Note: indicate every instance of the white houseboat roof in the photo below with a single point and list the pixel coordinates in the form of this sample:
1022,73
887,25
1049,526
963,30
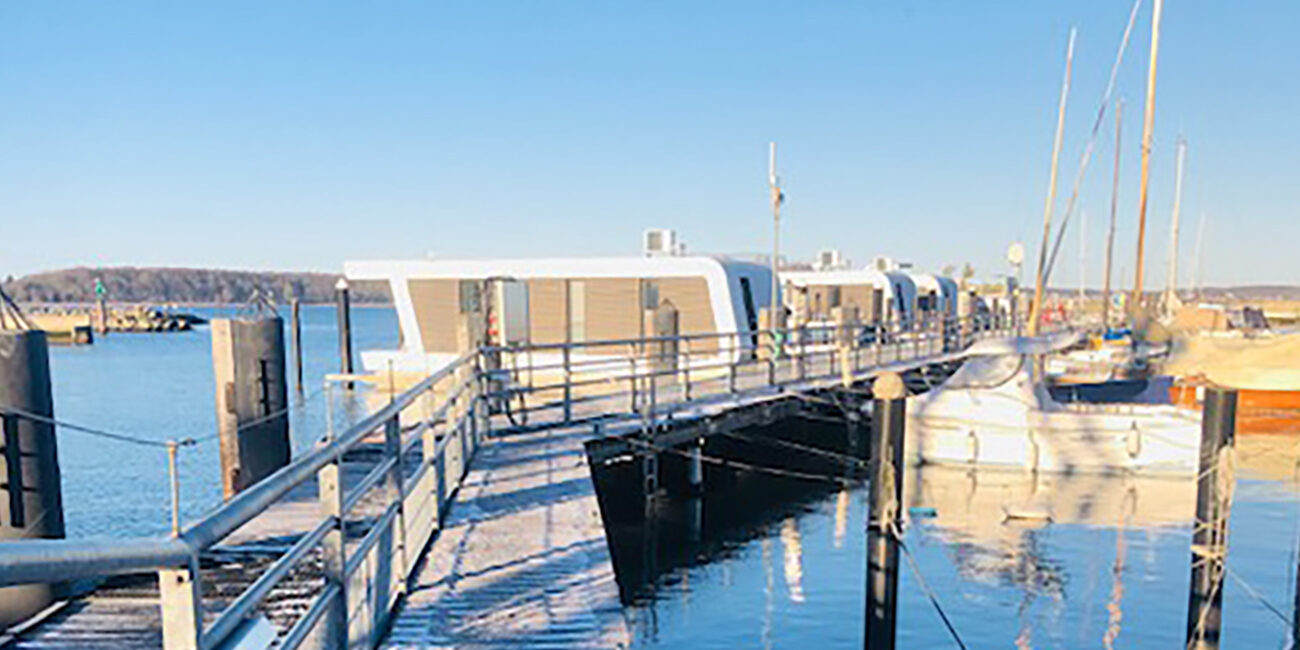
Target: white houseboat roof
550,267
884,280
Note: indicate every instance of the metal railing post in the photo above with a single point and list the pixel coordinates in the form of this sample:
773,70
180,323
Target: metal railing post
731,365
333,560
393,450
631,378
686,367
429,449
179,599
568,386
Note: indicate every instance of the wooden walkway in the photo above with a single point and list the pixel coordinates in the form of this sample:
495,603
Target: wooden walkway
485,585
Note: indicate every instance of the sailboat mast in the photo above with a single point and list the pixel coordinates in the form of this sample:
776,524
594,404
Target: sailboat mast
1172,292
1083,258
776,310
1036,309
1114,206
1147,125
1196,262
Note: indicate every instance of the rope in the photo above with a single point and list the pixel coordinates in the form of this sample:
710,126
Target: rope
844,458
111,435
723,462
1258,597
925,587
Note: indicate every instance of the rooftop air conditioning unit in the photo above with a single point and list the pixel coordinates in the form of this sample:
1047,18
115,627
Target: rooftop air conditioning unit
830,259
883,263
659,242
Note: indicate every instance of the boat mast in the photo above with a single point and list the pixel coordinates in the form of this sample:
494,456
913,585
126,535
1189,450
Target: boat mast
1036,309
1171,293
1083,258
1196,268
1147,125
1114,205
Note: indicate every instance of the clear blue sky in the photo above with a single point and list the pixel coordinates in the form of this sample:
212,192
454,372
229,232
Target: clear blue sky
295,135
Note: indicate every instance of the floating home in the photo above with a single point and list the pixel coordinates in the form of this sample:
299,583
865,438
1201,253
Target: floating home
561,300
901,297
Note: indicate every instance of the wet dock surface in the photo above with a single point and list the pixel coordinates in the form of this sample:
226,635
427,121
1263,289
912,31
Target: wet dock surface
521,561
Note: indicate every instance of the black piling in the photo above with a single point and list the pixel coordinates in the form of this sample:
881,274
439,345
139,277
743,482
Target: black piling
886,497
341,297
295,320
32,504
252,400
1210,535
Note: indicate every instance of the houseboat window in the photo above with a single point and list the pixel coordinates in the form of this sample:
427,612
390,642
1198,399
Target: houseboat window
471,299
649,293
747,296
833,299
577,311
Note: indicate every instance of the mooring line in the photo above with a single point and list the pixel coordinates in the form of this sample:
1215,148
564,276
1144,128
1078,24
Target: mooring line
925,586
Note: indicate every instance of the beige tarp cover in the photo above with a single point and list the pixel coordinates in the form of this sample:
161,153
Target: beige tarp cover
1263,362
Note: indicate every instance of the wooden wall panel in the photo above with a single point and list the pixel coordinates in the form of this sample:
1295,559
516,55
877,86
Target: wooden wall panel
437,310
547,318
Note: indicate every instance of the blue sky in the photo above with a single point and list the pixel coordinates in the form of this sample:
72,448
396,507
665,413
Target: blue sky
295,135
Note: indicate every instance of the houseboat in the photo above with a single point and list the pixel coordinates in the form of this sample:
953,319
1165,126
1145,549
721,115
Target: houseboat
440,303
879,296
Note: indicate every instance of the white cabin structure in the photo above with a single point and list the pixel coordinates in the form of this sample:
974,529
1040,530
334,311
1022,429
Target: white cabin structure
935,295
559,300
879,296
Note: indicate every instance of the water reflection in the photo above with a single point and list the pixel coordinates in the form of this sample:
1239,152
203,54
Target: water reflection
1016,559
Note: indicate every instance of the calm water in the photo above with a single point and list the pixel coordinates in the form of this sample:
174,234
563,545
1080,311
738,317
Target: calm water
160,386
773,563
1112,562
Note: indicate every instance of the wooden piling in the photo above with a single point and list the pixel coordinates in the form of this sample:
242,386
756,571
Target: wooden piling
252,400
1210,533
886,497
343,300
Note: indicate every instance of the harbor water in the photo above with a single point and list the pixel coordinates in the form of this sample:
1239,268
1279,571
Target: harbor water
1013,560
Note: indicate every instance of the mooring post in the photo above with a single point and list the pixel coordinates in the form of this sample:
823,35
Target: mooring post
1214,486
252,400
343,299
695,468
295,319
30,462
886,495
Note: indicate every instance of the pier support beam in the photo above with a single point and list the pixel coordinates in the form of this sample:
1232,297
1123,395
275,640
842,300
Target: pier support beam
31,499
1210,533
252,400
344,301
886,495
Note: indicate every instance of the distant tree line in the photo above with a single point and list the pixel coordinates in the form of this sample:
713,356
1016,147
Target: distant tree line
167,285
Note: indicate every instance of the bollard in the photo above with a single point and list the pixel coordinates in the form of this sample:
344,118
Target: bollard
341,297
252,401
32,506
1214,485
695,468
295,312
886,495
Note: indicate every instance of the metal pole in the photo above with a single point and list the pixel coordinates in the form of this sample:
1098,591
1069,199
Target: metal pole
1147,125
343,299
176,487
777,312
1036,310
695,468
1210,532
1114,207
295,318
886,496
